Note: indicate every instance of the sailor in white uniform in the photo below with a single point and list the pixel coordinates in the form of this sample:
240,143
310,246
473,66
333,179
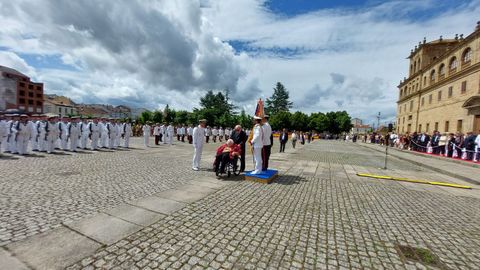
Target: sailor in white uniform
198,141
257,144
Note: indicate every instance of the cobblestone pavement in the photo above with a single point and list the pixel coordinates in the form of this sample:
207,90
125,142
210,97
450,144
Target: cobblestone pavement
318,214
40,192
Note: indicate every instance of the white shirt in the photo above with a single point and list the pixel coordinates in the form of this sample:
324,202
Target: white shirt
127,129
477,141
156,131
257,139
92,128
221,132
215,132
146,130
198,136
170,130
267,133
189,131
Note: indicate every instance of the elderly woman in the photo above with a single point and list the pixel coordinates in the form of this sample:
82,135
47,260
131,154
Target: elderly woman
225,153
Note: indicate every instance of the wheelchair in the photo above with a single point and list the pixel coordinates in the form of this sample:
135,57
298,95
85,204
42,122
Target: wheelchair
231,167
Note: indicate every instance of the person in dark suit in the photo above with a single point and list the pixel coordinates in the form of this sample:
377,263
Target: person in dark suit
469,145
240,137
283,140
435,142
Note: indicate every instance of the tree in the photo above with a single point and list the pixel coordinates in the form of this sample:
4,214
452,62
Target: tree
279,101
216,109
181,117
299,121
281,120
157,116
246,121
146,116
168,114
332,122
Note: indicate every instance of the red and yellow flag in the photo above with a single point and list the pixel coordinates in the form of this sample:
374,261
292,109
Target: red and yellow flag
260,110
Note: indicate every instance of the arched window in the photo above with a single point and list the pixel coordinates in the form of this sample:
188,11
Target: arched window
415,66
441,70
453,63
467,55
432,75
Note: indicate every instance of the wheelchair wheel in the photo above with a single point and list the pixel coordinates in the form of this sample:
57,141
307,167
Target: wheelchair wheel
235,169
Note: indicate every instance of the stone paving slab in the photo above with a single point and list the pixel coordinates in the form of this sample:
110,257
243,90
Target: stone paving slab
104,228
185,195
8,262
135,215
159,205
54,250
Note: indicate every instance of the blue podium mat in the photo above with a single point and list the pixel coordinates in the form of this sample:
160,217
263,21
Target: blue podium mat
263,177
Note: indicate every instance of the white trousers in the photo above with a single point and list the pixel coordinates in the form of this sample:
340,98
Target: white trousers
146,140
34,143
95,137
3,144
22,144
103,140
64,142
50,144
257,157
197,156
83,141
126,143
111,142
73,142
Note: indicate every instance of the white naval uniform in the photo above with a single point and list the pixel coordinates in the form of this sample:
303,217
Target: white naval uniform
198,141
74,135
103,135
221,134
22,133
94,132
146,134
63,135
257,142
51,136
118,134
127,132
3,135
85,133
170,134
111,131
42,134
163,130
34,143
11,144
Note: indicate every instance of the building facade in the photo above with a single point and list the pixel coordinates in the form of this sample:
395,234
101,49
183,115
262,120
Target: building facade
18,92
442,91
59,105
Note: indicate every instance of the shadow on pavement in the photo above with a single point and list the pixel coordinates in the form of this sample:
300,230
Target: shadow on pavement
8,157
289,180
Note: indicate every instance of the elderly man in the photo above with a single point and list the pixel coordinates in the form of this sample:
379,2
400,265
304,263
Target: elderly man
198,141
225,153
240,137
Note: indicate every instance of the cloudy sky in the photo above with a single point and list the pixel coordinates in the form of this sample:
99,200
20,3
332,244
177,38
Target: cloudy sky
330,54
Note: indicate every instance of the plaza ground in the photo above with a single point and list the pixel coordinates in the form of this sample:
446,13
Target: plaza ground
318,214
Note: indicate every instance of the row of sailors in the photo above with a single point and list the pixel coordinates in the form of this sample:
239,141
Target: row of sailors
166,132
44,133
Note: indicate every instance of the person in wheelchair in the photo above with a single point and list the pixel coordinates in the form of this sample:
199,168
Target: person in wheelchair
226,153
